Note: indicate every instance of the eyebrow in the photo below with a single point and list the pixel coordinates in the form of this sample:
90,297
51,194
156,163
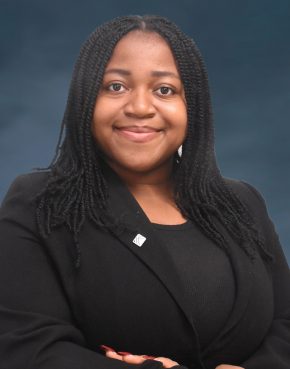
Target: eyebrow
154,73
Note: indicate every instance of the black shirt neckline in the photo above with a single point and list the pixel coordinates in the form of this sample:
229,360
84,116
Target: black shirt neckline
172,227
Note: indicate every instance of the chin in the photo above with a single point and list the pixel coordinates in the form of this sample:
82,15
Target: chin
141,168
140,165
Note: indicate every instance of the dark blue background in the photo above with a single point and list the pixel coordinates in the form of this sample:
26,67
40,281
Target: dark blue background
246,48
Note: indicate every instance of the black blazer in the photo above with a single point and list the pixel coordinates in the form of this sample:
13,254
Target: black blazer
127,296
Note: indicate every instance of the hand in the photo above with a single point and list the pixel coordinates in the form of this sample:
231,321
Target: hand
137,359
226,366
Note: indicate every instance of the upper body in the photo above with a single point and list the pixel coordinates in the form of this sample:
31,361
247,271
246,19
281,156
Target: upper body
126,296
83,263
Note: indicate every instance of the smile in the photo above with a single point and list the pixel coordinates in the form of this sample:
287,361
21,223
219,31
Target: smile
137,134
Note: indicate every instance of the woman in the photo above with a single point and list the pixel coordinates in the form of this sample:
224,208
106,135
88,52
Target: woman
130,241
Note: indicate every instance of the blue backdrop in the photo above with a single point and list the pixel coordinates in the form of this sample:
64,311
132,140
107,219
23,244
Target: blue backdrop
246,48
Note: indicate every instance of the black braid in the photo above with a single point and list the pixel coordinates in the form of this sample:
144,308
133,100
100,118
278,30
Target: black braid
77,189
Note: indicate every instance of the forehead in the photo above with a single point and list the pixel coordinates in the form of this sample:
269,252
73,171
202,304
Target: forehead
142,49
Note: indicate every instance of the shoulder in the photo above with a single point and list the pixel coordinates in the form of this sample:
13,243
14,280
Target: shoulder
253,201
20,197
255,204
248,194
27,185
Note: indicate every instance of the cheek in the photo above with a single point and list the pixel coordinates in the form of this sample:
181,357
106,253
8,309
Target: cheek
101,120
181,116
176,112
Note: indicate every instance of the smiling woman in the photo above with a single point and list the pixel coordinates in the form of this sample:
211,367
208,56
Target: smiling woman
128,245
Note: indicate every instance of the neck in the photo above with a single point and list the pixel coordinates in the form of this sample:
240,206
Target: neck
153,190
149,183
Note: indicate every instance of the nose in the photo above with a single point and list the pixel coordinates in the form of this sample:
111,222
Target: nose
140,104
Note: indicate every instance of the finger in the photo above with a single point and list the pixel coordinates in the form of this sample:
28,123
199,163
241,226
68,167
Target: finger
113,355
134,359
148,357
167,363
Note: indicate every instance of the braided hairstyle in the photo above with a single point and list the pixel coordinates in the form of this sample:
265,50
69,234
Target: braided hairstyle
76,188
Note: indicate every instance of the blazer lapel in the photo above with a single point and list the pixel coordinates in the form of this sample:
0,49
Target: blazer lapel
142,240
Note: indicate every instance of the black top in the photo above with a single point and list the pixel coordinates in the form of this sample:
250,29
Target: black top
206,275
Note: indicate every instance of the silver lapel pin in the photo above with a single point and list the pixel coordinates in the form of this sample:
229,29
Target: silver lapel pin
139,240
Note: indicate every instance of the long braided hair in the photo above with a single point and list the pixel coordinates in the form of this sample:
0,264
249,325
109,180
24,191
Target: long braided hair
76,188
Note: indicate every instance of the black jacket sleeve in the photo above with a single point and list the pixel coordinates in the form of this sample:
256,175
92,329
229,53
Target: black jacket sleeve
37,329
274,352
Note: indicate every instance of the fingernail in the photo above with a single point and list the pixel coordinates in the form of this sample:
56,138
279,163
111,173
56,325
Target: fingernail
106,348
124,353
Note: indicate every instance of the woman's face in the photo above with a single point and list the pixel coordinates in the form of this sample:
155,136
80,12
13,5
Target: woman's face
140,114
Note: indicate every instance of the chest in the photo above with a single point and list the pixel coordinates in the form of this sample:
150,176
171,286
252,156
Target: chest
120,301
122,298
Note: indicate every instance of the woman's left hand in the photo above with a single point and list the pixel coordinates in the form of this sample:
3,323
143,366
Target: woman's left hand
139,359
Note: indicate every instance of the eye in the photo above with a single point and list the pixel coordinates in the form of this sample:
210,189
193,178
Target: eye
115,87
166,91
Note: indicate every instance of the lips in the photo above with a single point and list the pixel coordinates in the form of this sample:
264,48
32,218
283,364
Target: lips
138,133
